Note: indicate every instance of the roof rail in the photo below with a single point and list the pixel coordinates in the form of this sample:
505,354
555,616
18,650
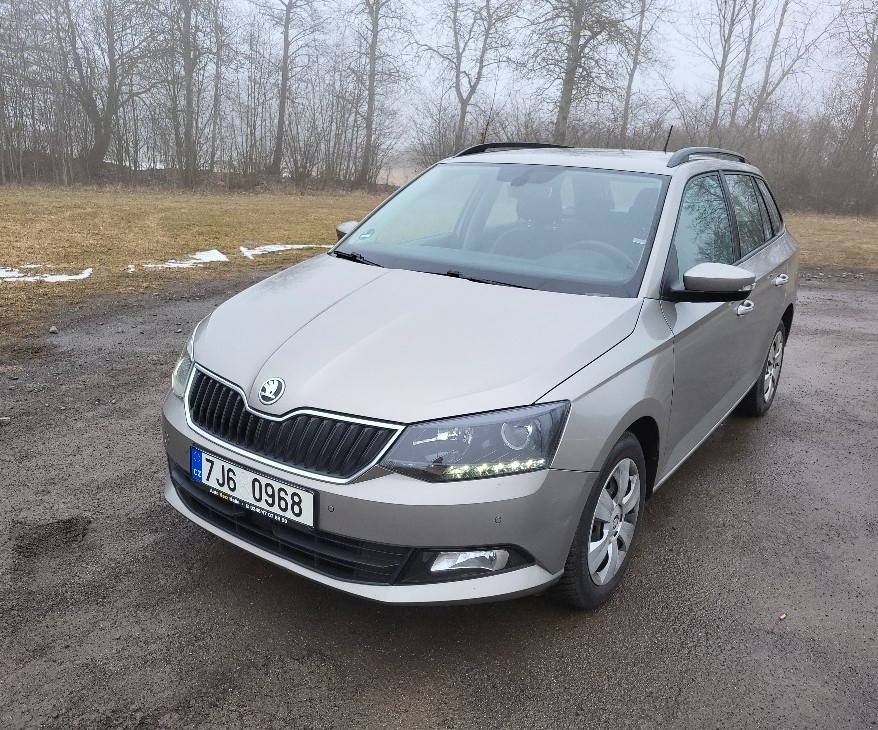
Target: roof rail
476,149
683,155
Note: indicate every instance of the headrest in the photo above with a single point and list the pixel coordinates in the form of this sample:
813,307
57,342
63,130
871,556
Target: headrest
645,202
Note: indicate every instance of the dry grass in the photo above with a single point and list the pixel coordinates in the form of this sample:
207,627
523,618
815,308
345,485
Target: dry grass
68,230
835,241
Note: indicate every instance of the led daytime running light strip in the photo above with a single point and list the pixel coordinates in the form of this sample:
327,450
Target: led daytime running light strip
465,471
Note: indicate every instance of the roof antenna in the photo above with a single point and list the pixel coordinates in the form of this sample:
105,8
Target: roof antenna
668,139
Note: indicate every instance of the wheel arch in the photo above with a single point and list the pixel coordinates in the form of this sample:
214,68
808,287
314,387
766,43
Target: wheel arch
787,319
643,422
646,430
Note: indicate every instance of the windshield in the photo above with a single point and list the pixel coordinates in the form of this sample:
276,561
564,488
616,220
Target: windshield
553,228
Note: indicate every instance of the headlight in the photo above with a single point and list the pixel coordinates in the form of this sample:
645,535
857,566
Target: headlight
180,374
477,447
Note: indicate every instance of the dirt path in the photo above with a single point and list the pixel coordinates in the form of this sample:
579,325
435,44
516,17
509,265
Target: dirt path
117,612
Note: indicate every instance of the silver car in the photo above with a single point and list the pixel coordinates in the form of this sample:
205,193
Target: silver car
473,394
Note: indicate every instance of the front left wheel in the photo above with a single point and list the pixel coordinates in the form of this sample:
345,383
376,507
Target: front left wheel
607,529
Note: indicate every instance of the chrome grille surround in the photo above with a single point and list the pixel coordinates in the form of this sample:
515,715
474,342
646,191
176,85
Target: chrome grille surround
388,431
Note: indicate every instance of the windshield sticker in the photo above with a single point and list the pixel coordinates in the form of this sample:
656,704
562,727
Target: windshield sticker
367,234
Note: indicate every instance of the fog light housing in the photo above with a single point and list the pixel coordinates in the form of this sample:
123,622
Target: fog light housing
488,560
437,566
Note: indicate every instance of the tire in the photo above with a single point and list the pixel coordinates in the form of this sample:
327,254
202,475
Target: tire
760,397
587,586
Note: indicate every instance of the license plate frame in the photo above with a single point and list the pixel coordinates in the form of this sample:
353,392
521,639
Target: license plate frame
244,492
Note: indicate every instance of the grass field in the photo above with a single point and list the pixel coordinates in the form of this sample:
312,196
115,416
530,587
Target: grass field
69,230
835,241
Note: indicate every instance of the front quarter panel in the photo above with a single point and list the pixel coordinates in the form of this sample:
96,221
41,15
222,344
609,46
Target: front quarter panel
633,380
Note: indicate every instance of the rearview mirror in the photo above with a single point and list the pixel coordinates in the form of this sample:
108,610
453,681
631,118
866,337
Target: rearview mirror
342,229
714,283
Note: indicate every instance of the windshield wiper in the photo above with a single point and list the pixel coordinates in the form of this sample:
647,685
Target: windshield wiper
354,256
457,275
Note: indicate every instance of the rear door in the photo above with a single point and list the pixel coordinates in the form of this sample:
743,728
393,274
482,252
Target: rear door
711,340
763,253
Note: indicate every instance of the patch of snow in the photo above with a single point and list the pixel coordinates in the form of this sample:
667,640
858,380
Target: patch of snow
10,274
272,247
196,259
131,268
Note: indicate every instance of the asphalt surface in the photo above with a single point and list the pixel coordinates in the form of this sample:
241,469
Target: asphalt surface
117,612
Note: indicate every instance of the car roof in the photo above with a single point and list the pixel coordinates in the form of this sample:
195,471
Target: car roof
601,159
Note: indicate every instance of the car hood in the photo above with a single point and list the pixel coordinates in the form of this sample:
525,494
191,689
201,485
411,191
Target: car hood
404,346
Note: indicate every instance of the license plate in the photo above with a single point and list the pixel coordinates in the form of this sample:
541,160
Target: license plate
261,494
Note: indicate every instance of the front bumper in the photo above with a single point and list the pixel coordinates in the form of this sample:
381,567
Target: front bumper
537,512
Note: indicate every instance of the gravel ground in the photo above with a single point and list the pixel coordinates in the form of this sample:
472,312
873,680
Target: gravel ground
117,612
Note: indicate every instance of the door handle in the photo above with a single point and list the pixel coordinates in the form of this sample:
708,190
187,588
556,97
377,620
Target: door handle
781,280
745,307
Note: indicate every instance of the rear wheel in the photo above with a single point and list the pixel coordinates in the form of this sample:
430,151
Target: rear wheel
757,402
607,529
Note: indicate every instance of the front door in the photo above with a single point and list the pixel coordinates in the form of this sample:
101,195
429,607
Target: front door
712,341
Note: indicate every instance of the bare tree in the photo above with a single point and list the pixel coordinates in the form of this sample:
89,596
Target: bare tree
753,13
283,12
475,34
101,48
721,40
169,89
793,41
575,42
384,23
647,14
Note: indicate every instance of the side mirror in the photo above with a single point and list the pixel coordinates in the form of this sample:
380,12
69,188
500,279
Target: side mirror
342,229
714,283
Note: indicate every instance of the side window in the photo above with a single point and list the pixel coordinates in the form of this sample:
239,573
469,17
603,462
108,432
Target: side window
767,231
773,212
745,204
704,233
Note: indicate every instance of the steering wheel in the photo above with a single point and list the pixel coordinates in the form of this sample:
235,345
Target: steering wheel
611,252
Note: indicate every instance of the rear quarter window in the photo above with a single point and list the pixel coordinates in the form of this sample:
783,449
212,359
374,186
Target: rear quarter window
773,212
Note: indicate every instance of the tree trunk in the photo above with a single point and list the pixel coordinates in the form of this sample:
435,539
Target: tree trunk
726,44
745,63
277,156
568,82
460,124
364,175
632,73
217,86
189,151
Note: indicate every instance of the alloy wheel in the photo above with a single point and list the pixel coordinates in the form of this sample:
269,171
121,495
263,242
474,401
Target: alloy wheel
772,367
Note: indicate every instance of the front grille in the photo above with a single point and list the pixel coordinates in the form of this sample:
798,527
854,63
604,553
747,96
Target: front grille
316,444
336,556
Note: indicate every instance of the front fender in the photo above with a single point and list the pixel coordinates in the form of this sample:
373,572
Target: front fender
633,380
